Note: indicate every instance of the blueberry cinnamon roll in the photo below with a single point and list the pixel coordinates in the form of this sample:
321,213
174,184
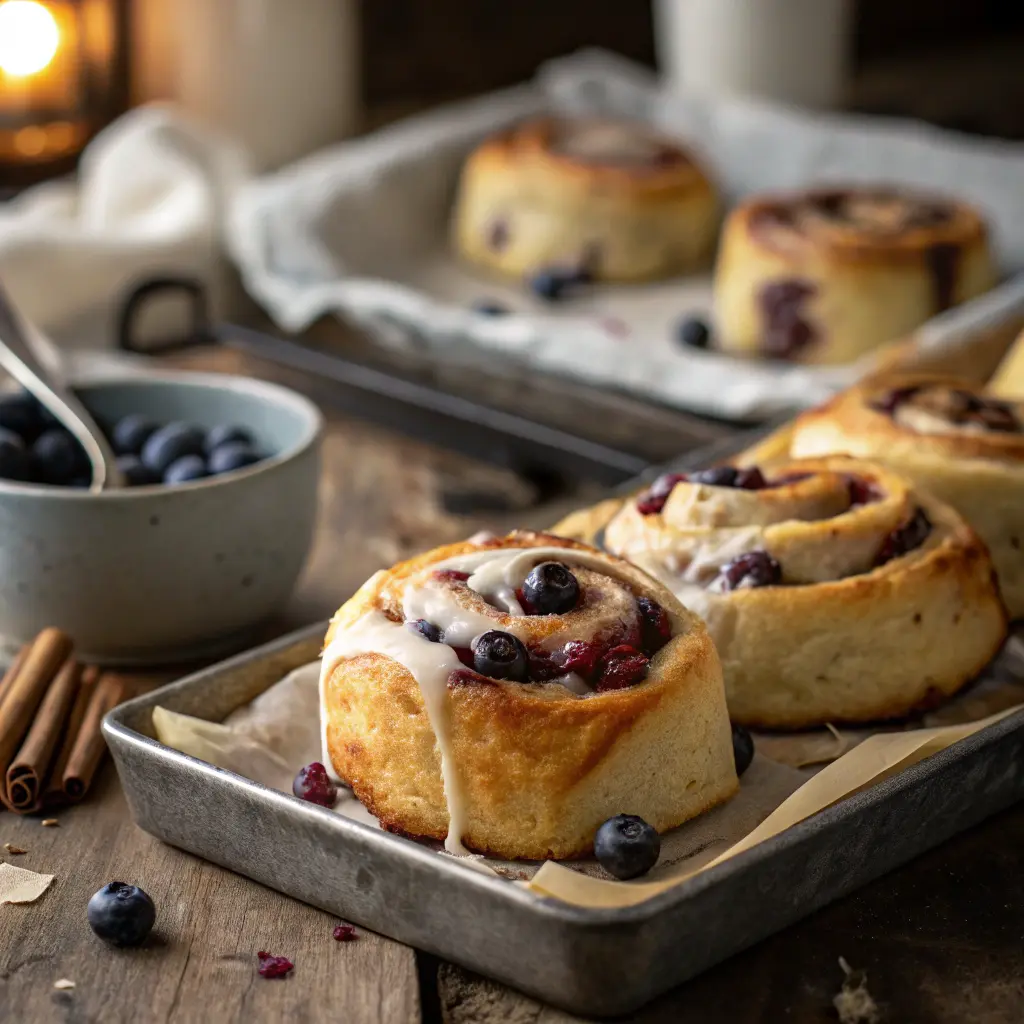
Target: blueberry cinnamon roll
509,696
610,199
833,590
825,276
952,439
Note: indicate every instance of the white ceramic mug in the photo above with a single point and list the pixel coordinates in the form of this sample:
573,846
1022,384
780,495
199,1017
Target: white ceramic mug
279,76
793,51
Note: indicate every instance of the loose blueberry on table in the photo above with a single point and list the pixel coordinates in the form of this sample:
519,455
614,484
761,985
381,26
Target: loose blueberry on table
626,846
551,284
312,783
121,914
742,748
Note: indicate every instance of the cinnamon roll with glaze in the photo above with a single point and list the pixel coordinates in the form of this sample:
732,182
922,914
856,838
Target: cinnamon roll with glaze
952,439
608,198
833,590
826,276
509,696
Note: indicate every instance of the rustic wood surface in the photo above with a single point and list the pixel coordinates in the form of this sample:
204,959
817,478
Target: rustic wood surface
940,940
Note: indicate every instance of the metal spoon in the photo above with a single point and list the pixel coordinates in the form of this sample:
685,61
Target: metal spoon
19,358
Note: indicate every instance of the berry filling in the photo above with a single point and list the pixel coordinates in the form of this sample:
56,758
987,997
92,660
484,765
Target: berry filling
451,575
655,625
862,492
786,331
621,667
906,537
652,501
427,630
752,569
959,407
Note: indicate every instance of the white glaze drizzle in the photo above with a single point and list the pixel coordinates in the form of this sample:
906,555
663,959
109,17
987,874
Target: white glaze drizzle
496,574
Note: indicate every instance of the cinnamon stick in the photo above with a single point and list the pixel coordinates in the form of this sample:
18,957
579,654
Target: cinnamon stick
90,746
12,671
24,693
27,772
55,786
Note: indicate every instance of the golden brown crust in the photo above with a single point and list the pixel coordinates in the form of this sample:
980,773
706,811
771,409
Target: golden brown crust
556,191
978,472
864,266
875,642
540,768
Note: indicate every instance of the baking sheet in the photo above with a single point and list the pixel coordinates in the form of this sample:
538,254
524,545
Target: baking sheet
361,231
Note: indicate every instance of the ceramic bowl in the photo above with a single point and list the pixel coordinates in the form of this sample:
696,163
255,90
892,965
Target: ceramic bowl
166,574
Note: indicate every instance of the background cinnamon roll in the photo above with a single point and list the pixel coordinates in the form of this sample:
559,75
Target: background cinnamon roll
513,694
609,198
825,276
833,590
964,446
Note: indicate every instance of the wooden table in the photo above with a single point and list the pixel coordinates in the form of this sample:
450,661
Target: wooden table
940,940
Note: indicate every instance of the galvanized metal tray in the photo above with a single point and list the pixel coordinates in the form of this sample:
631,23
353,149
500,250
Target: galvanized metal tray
598,962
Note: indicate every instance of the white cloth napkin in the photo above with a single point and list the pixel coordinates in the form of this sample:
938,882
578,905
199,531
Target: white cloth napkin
360,231
149,198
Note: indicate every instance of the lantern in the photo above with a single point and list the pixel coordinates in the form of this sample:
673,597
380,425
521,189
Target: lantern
63,76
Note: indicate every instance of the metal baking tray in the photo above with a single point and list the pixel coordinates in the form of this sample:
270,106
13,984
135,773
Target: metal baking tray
595,962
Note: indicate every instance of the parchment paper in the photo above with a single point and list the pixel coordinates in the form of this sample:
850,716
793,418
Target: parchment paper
361,231
271,738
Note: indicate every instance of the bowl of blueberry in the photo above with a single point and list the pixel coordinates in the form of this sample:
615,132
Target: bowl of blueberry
204,542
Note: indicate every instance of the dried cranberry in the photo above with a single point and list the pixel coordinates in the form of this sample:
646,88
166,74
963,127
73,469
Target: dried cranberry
581,657
751,479
345,933
465,655
312,783
752,569
653,499
451,575
655,625
464,677
621,667
906,537
273,966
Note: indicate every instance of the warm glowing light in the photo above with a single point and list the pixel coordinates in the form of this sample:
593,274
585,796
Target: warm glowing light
28,37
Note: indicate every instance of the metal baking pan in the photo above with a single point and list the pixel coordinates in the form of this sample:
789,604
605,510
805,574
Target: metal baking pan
595,962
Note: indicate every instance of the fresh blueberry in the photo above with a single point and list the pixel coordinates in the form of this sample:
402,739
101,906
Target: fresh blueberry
488,307
135,473
185,469
742,748
551,589
752,569
58,458
14,460
427,630
130,433
314,784
121,914
231,456
500,655
626,846
550,284
21,414
226,433
170,443
693,332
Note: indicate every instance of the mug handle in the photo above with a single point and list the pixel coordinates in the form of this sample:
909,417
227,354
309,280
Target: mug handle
200,331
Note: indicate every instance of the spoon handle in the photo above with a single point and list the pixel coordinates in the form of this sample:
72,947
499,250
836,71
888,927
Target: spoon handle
19,357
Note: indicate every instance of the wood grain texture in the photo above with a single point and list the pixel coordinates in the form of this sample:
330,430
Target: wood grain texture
200,964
